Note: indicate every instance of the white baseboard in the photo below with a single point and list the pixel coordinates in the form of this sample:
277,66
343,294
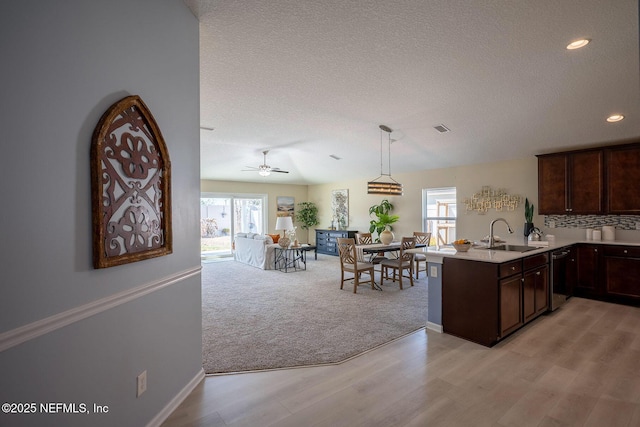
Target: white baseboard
434,327
40,327
176,401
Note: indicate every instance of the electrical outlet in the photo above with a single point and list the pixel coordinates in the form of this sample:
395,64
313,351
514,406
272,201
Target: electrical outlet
637,225
434,271
142,383
552,224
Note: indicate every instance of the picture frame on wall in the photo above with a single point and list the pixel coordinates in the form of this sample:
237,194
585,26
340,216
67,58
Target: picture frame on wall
285,205
130,186
340,208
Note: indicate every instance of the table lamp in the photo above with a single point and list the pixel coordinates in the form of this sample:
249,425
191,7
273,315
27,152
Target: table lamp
284,223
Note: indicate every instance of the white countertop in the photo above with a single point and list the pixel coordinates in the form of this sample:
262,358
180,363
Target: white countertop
436,254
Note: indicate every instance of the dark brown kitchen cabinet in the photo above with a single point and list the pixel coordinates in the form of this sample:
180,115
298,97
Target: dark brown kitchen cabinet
623,178
571,274
571,183
470,300
510,304
621,268
484,302
588,271
535,292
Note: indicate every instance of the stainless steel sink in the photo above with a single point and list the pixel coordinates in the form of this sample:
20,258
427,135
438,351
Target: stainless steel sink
513,248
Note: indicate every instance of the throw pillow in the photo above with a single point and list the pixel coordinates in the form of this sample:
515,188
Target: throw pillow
275,237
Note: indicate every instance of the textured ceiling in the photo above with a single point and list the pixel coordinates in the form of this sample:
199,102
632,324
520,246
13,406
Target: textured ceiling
309,79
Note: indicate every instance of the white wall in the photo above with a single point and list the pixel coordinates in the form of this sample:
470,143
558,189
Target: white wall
64,64
515,176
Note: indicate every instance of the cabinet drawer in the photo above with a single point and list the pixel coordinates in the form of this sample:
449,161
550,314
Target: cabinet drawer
622,251
536,261
509,268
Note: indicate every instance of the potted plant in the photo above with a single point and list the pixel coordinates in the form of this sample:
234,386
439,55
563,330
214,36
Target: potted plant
307,215
383,221
528,217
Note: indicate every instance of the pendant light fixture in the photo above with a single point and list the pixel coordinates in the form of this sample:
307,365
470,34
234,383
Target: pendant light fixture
389,187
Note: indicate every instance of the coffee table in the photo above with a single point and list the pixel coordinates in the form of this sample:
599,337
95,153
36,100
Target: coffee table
292,258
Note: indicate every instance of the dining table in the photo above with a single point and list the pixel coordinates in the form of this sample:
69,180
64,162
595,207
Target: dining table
374,248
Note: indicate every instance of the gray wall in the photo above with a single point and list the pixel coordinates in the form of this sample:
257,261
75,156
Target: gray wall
63,65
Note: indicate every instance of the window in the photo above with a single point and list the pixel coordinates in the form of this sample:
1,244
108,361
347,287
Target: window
439,214
222,216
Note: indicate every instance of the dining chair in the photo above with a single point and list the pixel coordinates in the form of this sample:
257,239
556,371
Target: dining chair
367,239
349,263
403,262
421,238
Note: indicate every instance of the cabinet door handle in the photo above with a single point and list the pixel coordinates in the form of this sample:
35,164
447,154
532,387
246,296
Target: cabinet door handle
513,269
595,250
625,251
537,273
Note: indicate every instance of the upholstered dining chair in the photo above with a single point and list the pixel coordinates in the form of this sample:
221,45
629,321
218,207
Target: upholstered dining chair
349,263
366,239
421,238
403,262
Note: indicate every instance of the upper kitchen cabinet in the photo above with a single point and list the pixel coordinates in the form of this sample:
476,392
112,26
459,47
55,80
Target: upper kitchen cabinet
571,183
623,179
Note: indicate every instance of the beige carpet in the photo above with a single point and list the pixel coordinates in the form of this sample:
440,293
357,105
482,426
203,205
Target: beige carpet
254,319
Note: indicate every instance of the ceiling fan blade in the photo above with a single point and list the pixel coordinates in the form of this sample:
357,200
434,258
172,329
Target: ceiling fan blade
278,170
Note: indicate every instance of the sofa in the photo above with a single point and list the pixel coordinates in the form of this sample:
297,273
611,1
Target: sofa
257,250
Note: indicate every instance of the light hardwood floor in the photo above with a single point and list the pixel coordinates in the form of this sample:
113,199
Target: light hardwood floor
578,366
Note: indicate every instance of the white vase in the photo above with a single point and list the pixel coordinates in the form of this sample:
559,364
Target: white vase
386,237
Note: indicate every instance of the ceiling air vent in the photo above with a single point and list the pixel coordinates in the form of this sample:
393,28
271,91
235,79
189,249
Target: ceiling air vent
441,128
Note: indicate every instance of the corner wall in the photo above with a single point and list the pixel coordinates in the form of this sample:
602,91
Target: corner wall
69,333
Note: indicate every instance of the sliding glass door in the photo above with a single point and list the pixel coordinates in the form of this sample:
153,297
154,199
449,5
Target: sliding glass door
223,215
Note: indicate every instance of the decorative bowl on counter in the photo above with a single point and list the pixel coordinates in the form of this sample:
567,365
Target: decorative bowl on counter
462,245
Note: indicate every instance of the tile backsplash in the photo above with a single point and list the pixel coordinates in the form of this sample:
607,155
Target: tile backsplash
621,222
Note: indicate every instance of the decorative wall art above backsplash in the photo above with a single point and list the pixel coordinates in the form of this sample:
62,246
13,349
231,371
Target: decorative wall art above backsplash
621,222
488,198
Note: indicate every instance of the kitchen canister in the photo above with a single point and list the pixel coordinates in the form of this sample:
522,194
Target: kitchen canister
608,233
597,235
589,233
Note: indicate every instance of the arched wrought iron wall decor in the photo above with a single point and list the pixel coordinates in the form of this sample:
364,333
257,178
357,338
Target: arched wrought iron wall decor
130,186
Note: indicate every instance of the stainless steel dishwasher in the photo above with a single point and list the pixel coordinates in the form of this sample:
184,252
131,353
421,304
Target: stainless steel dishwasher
558,287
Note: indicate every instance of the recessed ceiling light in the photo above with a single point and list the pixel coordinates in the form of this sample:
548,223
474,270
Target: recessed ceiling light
615,118
578,44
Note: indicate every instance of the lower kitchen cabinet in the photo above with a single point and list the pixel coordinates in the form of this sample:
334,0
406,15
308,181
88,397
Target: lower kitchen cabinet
588,279
621,271
485,302
535,292
510,304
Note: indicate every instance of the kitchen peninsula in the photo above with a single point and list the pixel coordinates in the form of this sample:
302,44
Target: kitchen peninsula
485,295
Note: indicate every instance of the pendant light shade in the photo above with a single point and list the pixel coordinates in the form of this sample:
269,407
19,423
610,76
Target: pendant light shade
385,186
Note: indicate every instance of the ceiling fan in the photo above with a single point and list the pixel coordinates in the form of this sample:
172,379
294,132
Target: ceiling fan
264,169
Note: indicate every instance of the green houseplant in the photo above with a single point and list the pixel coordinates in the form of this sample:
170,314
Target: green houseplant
528,217
383,221
307,214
